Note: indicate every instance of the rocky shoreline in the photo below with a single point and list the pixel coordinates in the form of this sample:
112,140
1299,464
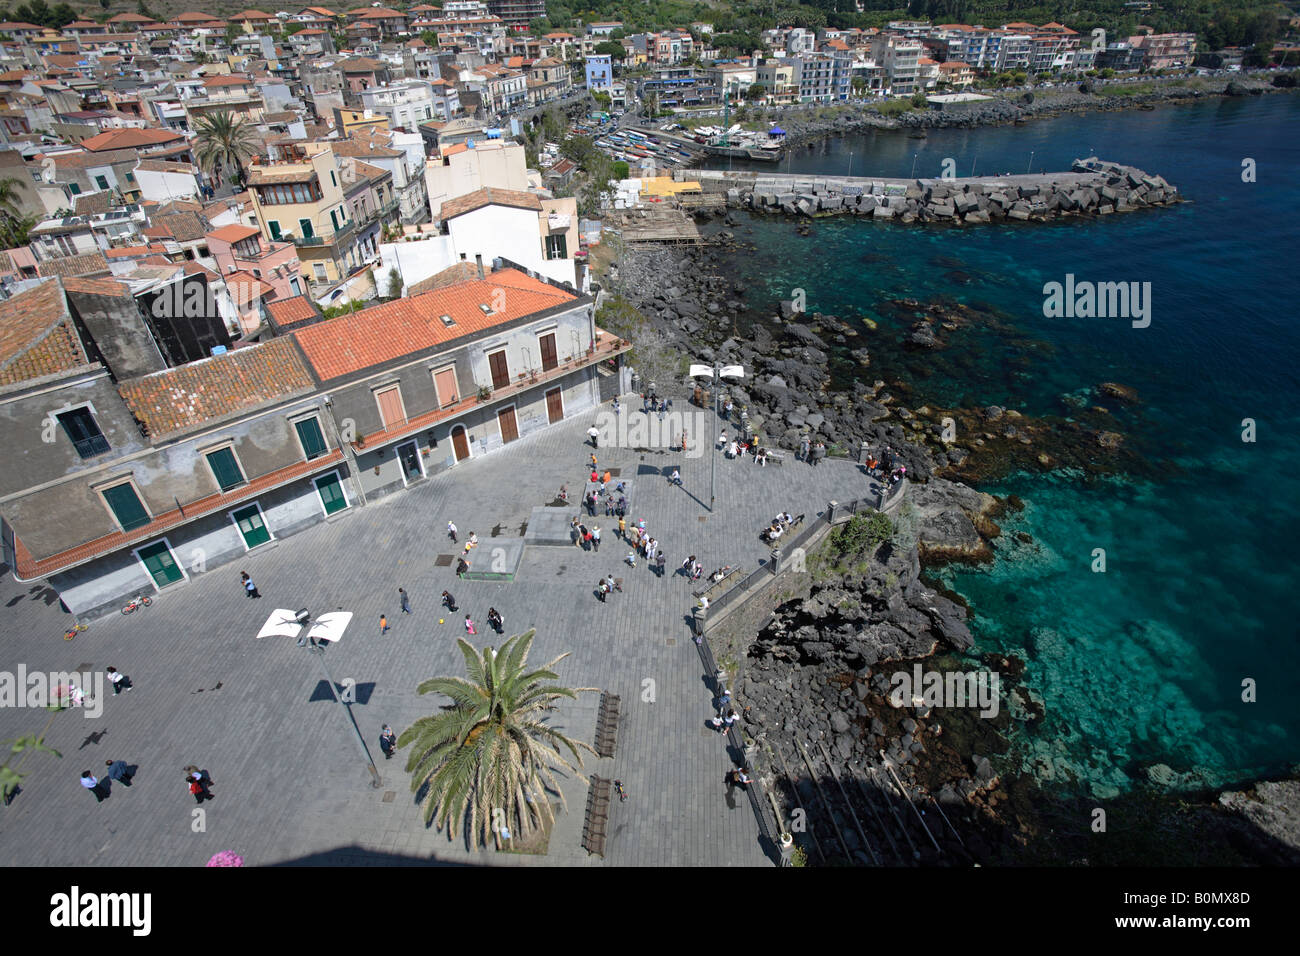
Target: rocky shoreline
804,127
815,679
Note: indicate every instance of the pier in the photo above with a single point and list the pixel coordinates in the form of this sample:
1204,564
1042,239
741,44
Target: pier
1092,187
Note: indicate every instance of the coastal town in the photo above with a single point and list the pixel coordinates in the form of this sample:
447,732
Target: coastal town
353,334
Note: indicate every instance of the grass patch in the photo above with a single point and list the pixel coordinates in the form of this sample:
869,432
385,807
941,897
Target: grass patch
537,843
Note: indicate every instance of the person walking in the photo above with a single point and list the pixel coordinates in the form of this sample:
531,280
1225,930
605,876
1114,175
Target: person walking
119,771
249,587
198,789
675,478
448,601
593,436
387,742
687,565
119,681
383,624
496,621
405,600
451,532
595,538
91,783
622,527
461,567
469,625
818,453
602,589
612,583
804,447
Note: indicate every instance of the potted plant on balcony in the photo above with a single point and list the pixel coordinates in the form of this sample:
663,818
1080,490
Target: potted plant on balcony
484,392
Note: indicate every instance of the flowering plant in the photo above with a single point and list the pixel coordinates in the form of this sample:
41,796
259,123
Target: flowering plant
226,858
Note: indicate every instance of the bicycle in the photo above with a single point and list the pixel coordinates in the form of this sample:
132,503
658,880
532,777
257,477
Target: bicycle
141,601
73,631
618,788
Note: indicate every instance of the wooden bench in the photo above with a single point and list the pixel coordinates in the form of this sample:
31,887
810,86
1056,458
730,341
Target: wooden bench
596,820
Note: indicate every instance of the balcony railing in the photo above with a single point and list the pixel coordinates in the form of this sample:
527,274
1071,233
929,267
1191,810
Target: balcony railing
339,235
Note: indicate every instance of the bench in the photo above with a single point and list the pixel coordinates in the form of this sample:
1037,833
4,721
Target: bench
596,819
711,589
607,724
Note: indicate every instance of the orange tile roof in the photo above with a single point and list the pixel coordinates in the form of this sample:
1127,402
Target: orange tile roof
106,287
194,396
129,18
289,311
252,15
233,233
376,335
245,288
37,336
227,79
489,196
129,139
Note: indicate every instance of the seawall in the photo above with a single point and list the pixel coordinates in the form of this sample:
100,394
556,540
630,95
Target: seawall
1092,187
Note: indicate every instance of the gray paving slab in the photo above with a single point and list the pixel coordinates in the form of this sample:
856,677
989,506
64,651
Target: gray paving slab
289,782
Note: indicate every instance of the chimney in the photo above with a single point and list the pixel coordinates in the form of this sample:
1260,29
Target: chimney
479,259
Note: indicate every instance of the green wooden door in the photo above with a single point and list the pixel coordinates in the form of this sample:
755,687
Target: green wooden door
251,526
331,493
160,564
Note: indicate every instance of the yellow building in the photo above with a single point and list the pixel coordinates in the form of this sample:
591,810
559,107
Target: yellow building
348,122
301,199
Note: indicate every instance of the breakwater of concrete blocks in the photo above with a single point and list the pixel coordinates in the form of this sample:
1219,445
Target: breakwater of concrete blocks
1093,187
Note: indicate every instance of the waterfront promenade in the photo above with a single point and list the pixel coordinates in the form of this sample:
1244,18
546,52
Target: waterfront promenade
290,785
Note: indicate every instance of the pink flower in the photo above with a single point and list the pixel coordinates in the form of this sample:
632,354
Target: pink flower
226,858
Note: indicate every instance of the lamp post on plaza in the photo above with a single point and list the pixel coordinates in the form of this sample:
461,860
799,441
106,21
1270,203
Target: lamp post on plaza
326,628
716,372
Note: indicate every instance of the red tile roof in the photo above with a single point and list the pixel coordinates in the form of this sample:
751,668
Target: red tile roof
489,196
130,139
373,336
87,264
299,308
194,396
233,233
37,336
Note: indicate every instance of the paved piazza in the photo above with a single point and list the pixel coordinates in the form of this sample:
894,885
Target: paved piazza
289,782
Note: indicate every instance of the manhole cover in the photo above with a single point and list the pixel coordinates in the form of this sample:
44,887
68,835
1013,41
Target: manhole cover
672,641
443,560
389,796
703,518
615,472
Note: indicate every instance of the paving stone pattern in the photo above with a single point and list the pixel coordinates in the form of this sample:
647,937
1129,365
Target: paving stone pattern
289,782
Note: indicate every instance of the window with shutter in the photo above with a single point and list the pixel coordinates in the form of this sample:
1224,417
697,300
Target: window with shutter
313,440
126,506
225,468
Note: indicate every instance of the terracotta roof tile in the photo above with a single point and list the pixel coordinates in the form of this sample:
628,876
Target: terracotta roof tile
195,395
37,336
486,197
233,233
130,139
288,312
376,335
88,264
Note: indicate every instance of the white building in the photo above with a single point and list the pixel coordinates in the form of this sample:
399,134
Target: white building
161,181
406,105
461,170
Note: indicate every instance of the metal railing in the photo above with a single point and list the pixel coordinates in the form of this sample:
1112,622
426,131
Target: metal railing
767,571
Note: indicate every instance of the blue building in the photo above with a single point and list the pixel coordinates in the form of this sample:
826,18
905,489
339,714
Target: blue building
600,72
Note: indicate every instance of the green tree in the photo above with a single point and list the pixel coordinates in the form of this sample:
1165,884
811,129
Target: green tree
756,92
490,758
539,26
224,142
621,169
14,226
394,283
611,49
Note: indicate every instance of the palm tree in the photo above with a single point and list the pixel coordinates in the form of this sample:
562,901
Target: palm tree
222,140
486,760
13,224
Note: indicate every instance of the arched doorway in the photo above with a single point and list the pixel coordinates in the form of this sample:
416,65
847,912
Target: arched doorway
460,442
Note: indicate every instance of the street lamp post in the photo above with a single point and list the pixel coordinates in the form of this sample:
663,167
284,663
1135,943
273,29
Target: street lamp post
328,627
715,372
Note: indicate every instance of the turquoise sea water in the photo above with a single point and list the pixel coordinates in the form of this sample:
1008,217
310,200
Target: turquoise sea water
1144,663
